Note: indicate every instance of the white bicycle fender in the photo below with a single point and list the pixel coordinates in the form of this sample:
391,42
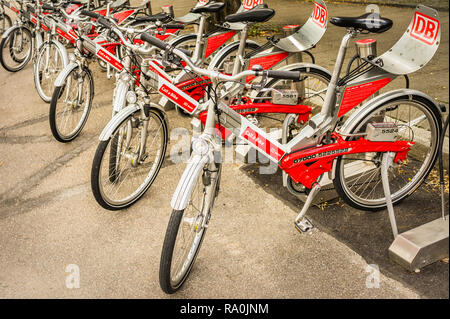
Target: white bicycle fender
38,39
116,120
365,109
294,66
222,51
8,32
178,37
119,98
183,192
63,51
61,79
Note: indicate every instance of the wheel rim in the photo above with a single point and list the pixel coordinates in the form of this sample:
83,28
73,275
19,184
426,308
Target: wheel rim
361,172
132,176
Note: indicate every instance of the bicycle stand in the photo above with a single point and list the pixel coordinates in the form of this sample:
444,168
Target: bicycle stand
420,246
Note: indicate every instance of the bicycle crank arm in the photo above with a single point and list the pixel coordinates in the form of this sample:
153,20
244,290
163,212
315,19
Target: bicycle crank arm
302,224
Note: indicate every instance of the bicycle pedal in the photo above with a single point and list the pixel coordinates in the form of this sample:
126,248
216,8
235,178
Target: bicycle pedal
304,226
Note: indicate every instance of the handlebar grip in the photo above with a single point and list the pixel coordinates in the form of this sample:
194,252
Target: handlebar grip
104,22
161,44
154,41
187,52
284,75
90,14
47,7
174,26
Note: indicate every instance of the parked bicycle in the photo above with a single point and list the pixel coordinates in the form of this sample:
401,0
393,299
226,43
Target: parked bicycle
351,152
73,89
113,195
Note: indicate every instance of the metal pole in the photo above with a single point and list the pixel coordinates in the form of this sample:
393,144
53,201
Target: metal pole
385,163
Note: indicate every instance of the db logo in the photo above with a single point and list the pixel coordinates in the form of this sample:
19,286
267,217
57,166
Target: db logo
320,15
425,28
203,1
250,4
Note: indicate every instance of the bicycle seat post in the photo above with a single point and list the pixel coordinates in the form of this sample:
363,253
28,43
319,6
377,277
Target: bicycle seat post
330,97
238,63
200,42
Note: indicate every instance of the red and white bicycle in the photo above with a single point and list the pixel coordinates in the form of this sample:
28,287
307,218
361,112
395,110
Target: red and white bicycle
395,135
187,90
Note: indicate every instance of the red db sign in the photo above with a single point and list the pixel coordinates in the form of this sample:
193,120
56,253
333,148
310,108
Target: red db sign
250,4
320,15
425,28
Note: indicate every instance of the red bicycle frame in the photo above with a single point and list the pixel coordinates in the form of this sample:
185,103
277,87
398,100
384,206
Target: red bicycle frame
306,166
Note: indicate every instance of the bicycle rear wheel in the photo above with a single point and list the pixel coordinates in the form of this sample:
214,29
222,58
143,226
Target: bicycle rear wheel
358,178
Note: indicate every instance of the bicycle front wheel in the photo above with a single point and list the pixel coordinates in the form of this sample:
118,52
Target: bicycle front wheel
16,49
358,177
49,63
185,232
125,165
71,104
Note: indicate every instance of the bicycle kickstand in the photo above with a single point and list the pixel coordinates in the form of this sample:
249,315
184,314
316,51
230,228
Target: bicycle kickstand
302,224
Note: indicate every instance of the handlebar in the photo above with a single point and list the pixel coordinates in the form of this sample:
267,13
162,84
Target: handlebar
90,14
284,75
174,26
161,44
48,7
182,53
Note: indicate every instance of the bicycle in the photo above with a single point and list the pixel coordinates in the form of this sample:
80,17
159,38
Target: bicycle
21,41
334,142
134,142
106,191
73,89
51,57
